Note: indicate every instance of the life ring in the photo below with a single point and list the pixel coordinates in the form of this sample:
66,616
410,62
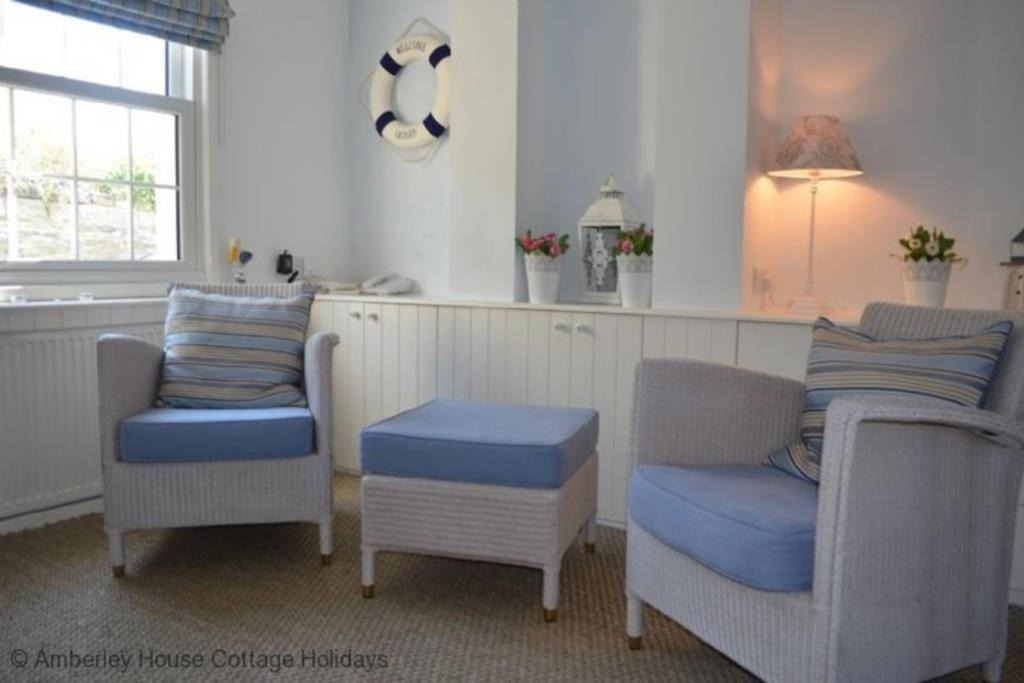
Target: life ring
435,124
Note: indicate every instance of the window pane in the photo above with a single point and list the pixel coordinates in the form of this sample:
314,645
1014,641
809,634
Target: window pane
91,52
102,139
103,231
45,219
143,63
52,43
5,131
42,133
154,147
33,39
156,224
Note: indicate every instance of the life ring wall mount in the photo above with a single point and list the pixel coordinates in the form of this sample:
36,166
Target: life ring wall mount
402,135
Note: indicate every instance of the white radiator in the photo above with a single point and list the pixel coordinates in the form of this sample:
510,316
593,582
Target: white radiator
49,432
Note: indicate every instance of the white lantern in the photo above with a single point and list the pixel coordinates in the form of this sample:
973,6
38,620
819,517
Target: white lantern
599,229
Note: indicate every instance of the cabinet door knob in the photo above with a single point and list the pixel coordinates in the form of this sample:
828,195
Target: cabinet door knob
355,315
373,316
583,329
561,327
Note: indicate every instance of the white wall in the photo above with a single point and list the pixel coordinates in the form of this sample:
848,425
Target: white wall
700,162
930,92
400,211
483,140
279,177
585,110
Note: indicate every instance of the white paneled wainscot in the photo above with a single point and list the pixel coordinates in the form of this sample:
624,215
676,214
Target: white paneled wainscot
398,353
395,353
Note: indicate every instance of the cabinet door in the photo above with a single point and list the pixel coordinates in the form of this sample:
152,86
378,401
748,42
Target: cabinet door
628,352
581,361
372,368
426,354
353,387
605,341
497,327
389,340
517,357
321,317
478,352
539,341
446,352
775,348
559,359
463,356
408,357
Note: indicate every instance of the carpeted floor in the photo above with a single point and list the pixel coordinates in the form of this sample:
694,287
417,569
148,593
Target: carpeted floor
252,591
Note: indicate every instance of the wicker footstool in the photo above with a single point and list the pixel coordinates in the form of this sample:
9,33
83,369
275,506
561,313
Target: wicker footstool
508,484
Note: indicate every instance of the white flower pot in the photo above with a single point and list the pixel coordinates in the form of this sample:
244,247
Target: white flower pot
542,273
925,282
635,280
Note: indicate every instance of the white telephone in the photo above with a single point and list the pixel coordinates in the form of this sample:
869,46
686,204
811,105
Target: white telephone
386,285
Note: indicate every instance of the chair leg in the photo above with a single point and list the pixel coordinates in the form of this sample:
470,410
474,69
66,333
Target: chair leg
590,540
550,600
115,540
326,541
634,622
992,670
369,572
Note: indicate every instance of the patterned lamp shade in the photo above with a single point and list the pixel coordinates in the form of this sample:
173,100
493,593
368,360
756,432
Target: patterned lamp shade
816,147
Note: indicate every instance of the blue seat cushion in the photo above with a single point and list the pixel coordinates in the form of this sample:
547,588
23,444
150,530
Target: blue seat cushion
753,524
483,443
203,435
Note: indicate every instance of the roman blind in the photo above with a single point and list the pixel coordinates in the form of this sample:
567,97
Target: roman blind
199,23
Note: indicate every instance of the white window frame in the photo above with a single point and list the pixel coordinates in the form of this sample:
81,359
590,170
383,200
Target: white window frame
191,253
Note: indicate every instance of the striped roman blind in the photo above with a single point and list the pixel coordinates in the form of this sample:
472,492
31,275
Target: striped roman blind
199,23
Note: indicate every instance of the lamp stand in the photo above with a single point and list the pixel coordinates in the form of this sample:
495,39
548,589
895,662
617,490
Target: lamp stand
808,304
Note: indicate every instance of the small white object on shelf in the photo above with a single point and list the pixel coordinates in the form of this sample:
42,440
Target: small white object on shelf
635,280
599,228
542,275
925,282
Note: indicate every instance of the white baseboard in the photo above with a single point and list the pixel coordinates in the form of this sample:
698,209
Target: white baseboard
32,520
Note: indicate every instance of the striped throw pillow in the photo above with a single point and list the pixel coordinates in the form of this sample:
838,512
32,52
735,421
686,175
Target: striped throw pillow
848,363
233,352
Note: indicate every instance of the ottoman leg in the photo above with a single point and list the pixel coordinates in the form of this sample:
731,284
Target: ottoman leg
590,538
550,601
369,562
326,542
634,622
115,539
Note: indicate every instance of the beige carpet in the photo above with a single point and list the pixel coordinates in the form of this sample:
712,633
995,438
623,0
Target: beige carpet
261,590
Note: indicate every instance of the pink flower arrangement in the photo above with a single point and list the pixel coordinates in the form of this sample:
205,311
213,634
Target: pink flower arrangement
639,241
548,244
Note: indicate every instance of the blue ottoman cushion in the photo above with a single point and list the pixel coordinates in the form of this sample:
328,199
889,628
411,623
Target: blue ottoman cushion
482,443
198,435
754,524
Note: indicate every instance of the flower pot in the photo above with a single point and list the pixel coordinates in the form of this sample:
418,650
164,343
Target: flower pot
635,280
542,273
925,282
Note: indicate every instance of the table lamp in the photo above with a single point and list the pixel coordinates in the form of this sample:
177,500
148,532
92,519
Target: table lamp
815,149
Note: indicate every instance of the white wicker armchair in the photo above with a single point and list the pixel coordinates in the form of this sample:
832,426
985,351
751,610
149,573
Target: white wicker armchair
915,517
183,494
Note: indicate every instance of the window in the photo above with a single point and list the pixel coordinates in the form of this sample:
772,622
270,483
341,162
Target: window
97,146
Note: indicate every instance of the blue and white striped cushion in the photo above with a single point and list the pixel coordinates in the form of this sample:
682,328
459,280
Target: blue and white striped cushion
844,362
233,352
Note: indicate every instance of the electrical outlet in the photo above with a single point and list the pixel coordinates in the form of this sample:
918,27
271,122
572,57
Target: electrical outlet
759,280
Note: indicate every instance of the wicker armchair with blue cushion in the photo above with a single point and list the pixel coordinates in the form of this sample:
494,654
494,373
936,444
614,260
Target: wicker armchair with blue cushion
894,565
187,442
